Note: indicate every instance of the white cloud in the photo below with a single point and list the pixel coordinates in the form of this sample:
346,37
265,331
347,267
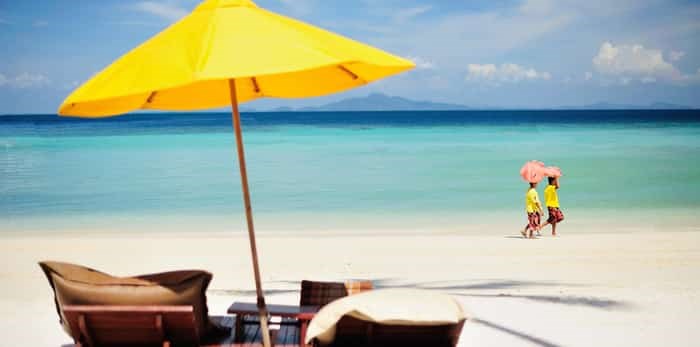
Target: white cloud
597,8
634,62
421,63
452,37
588,76
457,37
464,34
24,80
508,72
407,14
676,55
164,10
27,80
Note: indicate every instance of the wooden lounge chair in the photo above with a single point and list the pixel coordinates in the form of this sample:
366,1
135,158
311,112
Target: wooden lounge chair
353,332
96,308
102,325
314,293
388,318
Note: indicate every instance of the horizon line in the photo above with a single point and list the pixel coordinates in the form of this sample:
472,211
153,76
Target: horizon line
494,109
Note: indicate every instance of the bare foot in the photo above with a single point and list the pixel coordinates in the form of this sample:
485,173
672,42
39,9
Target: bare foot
522,232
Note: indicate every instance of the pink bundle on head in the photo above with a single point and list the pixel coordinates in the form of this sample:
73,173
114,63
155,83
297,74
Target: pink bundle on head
552,171
533,171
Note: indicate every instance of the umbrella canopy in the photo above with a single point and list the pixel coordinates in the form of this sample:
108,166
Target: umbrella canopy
533,171
188,65
226,52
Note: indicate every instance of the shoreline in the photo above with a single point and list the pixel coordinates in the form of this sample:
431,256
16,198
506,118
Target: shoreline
566,229
287,234
321,224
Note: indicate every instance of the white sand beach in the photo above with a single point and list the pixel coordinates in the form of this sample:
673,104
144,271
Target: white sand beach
602,289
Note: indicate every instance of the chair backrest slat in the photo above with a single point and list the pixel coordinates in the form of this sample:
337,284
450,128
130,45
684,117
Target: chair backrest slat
321,293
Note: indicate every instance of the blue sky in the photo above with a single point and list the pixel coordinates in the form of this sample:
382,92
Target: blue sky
527,53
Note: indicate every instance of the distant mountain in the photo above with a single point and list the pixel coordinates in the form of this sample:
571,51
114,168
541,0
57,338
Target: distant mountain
383,102
283,109
612,106
607,106
667,106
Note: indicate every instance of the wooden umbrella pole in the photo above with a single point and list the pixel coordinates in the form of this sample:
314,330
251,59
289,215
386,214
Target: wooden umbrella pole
262,309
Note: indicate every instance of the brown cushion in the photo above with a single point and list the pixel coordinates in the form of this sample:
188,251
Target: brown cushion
77,285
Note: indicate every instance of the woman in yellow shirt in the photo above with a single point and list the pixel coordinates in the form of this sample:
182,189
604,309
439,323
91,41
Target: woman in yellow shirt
534,211
551,200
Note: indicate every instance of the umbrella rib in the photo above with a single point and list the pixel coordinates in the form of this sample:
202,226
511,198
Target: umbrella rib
150,98
256,87
347,71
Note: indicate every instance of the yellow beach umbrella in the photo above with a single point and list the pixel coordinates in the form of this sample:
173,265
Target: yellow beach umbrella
228,52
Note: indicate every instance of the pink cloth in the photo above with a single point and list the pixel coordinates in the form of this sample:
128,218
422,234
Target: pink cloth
552,171
533,171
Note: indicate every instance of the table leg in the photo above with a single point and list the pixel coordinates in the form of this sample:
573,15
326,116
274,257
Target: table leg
238,329
303,324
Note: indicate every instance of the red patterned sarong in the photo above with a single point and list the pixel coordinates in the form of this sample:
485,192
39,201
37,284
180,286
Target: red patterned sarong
533,220
555,215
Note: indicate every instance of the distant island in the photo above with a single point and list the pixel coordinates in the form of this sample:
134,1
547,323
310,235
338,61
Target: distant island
383,102
612,106
380,102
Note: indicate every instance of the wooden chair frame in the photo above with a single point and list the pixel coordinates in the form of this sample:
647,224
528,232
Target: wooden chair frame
103,325
352,332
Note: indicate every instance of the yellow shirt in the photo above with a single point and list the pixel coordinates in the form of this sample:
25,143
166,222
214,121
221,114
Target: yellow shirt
550,196
531,200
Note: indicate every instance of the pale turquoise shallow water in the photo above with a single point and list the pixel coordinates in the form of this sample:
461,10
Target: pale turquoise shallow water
320,175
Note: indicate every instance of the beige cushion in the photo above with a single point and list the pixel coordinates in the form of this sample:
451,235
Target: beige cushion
407,307
78,285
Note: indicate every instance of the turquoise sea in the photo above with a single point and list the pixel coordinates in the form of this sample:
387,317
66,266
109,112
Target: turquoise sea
353,171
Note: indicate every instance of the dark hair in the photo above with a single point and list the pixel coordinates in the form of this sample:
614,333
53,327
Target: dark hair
551,179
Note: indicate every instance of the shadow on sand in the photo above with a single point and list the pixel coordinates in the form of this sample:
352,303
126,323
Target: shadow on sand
477,288
464,288
474,288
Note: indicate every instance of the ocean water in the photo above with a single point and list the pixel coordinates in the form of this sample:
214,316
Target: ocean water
353,171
